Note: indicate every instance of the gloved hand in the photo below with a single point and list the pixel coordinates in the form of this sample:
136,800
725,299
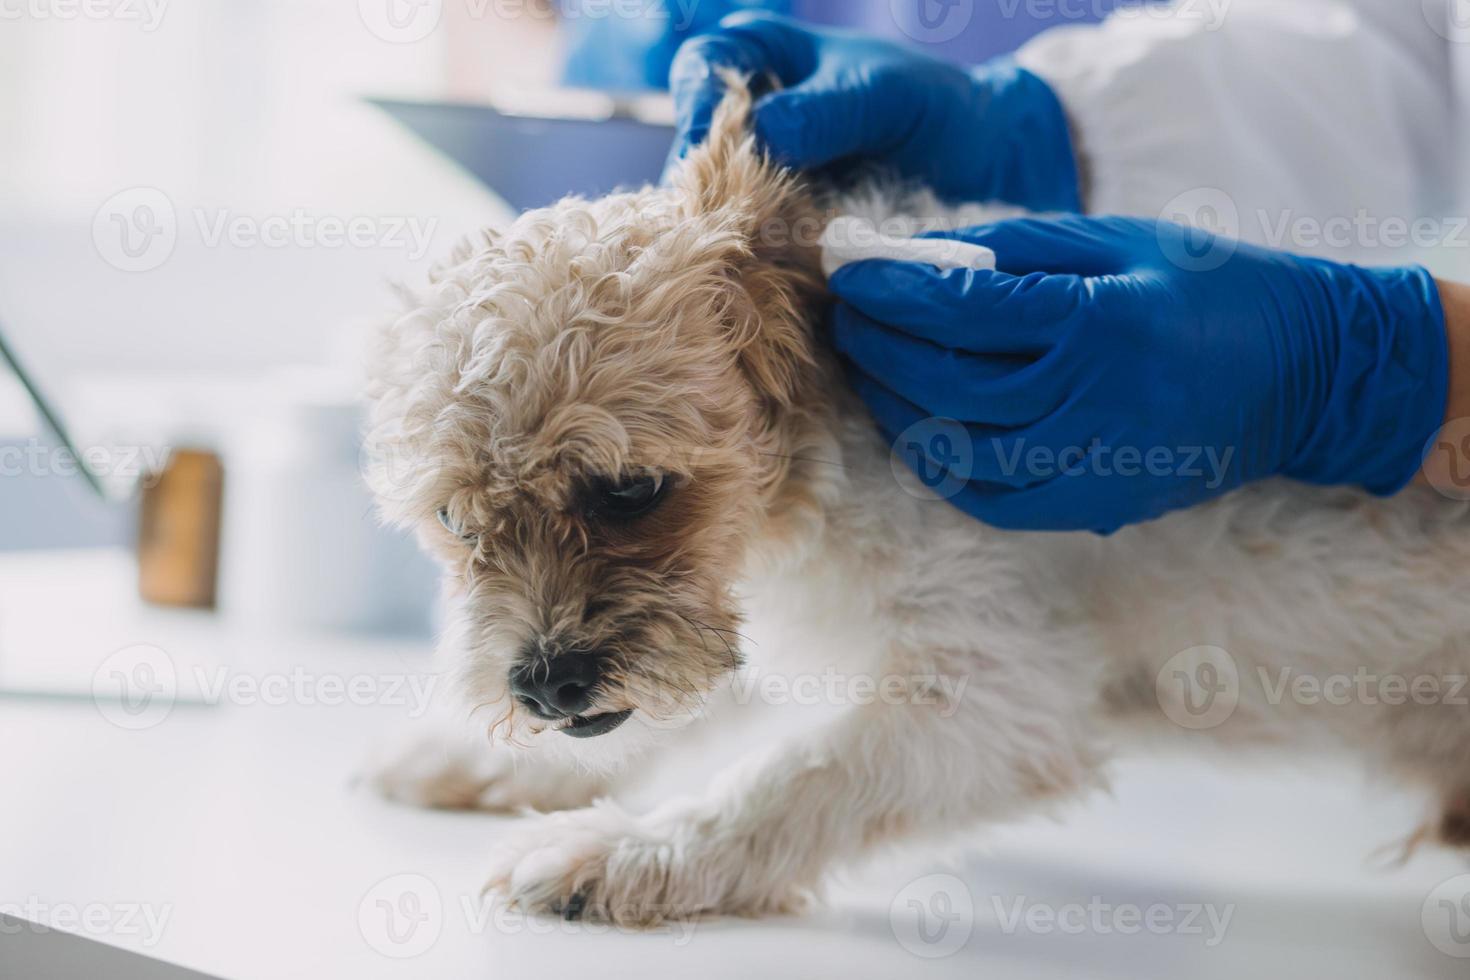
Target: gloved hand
1116,369
993,133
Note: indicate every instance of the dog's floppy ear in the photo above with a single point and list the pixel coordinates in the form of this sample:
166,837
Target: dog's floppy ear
775,262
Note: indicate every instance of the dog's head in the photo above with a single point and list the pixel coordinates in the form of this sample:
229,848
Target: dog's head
589,419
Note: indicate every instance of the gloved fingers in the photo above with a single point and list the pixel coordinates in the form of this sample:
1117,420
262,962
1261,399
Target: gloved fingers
965,309
1071,245
999,390
752,43
827,117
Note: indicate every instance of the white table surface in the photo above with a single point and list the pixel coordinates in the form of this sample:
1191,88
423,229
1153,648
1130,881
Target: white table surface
240,828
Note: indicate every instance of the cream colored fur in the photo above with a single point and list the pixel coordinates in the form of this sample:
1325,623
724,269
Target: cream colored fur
676,330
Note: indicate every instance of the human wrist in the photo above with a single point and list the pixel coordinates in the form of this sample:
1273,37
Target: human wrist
1022,125
1445,470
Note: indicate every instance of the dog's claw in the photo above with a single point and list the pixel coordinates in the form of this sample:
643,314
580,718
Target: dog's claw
574,907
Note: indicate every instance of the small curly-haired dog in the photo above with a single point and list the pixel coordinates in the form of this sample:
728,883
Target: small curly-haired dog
616,426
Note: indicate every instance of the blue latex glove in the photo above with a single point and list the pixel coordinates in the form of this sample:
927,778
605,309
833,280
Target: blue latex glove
1116,369
992,133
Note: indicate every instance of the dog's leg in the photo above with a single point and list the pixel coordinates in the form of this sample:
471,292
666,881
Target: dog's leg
1001,745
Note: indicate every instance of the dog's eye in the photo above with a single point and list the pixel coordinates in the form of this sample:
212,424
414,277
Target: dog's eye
452,527
627,499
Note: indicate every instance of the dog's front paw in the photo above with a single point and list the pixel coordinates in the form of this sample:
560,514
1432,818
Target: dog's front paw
600,863
453,774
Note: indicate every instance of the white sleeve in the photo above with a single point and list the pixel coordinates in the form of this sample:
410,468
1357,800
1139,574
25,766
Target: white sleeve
1282,110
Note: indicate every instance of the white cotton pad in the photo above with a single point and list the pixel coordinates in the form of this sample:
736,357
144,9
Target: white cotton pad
851,239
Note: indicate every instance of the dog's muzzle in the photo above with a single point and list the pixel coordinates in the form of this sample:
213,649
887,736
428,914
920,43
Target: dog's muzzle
564,686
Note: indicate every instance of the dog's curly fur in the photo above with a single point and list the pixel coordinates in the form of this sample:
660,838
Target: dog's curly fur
674,331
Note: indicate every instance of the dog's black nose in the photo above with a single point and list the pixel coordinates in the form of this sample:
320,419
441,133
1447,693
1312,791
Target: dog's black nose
558,687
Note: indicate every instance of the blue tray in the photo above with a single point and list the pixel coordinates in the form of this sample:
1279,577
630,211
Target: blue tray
533,160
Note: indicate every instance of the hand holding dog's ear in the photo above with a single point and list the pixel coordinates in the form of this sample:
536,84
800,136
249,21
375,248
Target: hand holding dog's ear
1117,369
995,133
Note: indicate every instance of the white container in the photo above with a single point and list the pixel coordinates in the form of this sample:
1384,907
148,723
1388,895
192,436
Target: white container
301,544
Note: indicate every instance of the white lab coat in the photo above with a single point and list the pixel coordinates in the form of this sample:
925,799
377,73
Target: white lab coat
1329,127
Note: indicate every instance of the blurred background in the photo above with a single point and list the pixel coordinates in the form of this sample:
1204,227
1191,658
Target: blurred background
204,205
